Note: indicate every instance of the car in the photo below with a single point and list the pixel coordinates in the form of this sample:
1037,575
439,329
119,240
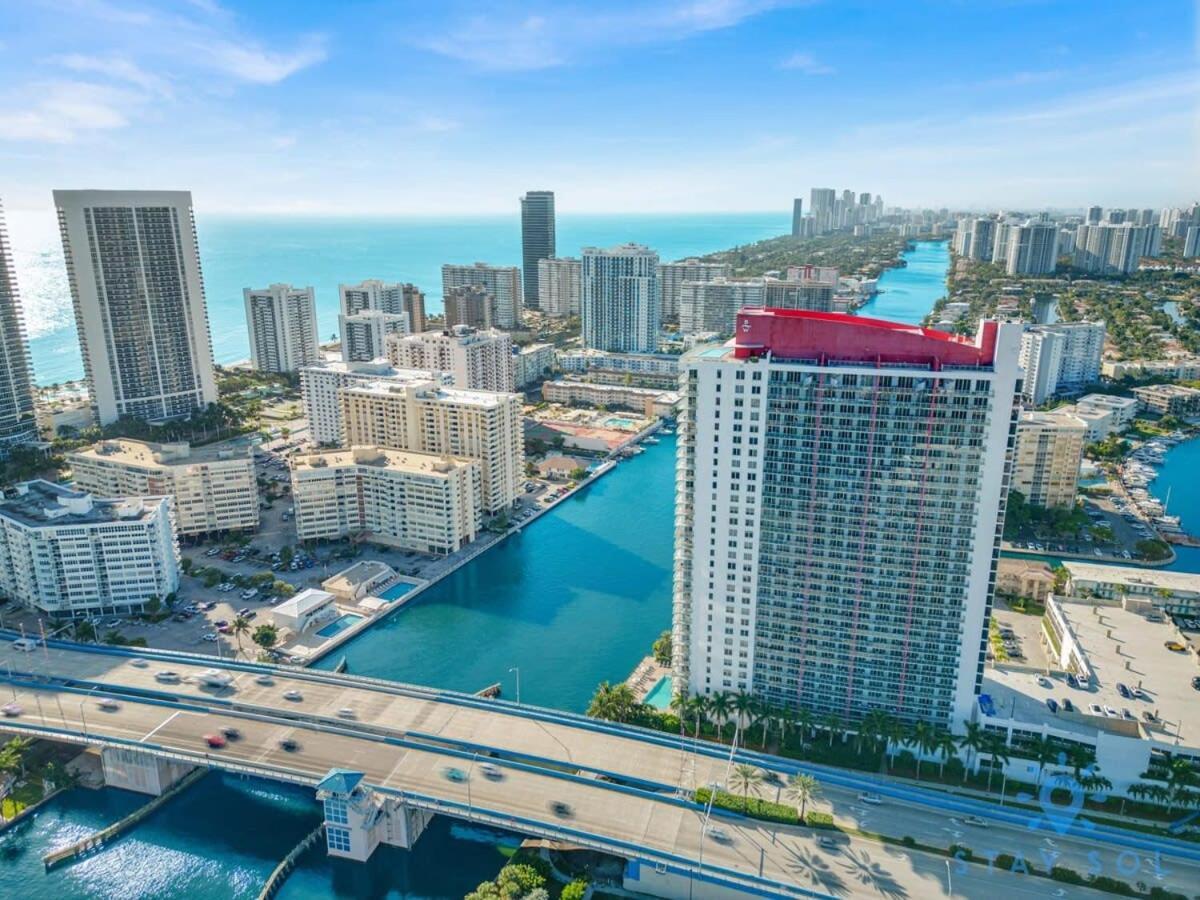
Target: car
108,704
562,810
231,733
346,713
1042,681
211,636
1095,709
1126,714
825,842
1067,705
1196,682
718,834
138,662
1072,681
213,551
264,679
1111,712
221,623
167,676
491,771
450,773
1138,693
1052,704
975,821
215,741
872,799
1123,691
986,706
293,695
1149,716
249,614
289,744
225,629
1174,646
11,710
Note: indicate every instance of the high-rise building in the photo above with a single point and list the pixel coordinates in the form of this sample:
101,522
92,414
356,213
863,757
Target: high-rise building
429,418
414,501
1191,242
320,388
840,501
18,421
532,362
558,286
1095,215
478,360
1107,249
671,277
502,282
133,266
1000,243
822,203
365,334
1048,451
213,488
798,217
1062,358
1033,249
537,239
983,239
712,306
386,297
282,324
805,287
620,305
66,553
470,306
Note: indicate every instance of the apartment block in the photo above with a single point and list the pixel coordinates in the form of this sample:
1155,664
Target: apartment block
477,360
644,401
18,419
1169,399
712,306
212,488
365,334
503,283
1032,248
1061,359
1049,449
428,418
558,286
282,324
621,306
634,363
319,387
537,240
413,501
532,362
671,278
133,267
393,298
840,497
470,306
66,553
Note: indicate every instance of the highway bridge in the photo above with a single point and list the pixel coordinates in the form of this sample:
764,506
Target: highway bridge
621,790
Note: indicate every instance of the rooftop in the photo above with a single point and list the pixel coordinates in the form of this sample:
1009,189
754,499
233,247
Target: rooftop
43,503
1064,418
380,458
340,781
143,453
376,368
304,602
1153,578
428,391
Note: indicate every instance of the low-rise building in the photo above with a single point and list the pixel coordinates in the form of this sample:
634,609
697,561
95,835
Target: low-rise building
1175,592
67,553
1123,410
1180,369
305,610
1049,448
415,501
213,488
1024,578
635,363
319,387
648,402
531,363
1169,399
478,360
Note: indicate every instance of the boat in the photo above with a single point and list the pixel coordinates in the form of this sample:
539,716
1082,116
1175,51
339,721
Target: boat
651,440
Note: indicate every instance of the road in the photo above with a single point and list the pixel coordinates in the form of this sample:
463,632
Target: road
405,738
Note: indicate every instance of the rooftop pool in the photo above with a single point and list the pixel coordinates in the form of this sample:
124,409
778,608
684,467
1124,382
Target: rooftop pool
660,695
397,590
339,625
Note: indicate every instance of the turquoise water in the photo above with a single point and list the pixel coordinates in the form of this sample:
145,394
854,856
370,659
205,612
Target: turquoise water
397,590
1178,475
908,294
339,625
619,422
255,251
660,695
574,599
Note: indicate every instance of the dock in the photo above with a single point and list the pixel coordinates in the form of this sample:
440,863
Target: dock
97,841
281,872
491,692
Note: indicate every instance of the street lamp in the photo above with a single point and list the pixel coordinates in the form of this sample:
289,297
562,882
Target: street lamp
517,669
470,772
713,787
949,882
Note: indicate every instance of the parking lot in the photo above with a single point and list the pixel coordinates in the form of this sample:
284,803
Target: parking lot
1112,511
1021,637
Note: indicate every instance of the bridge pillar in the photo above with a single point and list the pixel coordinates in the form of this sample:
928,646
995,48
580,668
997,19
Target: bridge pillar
140,770
358,819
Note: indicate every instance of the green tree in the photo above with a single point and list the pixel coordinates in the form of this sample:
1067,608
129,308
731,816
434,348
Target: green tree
746,780
13,753
576,890
265,635
801,790
240,626
973,739
662,649
743,708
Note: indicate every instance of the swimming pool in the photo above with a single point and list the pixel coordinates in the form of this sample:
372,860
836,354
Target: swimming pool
339,625
397,590
660,695
620,422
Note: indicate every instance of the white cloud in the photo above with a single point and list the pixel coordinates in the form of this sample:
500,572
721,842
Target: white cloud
806,63
252,63
436,124
115,67
65,109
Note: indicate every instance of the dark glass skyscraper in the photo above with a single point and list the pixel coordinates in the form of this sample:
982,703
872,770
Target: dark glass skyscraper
537,239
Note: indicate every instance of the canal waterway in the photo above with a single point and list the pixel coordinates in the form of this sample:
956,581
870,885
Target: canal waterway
907,293
1177,479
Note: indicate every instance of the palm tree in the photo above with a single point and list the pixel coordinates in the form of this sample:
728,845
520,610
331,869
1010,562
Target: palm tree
12,755
833,722
868,729
743,709
785,718
747,780
801,789
680,704
697,706
944,744
921,739
995,746
973,739
1138,791
718,710
240,626
764,715
1180,776
894,734
804,720
1042,751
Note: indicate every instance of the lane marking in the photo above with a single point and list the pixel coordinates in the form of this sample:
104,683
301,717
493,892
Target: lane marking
163,724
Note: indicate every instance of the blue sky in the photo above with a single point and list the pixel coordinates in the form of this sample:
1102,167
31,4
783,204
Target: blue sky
350,106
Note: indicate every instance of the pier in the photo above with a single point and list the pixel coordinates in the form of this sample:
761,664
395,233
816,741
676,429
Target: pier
281,872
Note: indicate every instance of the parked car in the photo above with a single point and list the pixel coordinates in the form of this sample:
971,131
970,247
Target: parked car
1052,704
1123,691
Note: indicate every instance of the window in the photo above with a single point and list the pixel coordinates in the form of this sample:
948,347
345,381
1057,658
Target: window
338,839
335,811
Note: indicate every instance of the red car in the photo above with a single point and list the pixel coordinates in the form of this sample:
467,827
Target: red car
216,741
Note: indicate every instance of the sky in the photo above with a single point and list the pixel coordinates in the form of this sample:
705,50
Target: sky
361,107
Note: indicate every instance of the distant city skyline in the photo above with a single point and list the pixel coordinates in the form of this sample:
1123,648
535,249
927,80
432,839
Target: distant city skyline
268,107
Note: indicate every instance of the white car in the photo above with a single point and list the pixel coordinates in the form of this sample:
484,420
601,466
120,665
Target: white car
1043,681
108,704
872,799
138,662
264,679
1110,711
345,713
293,695
167,676
976,821
718,834
11,710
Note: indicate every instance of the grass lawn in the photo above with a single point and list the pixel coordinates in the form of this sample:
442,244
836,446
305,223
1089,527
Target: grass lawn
25,795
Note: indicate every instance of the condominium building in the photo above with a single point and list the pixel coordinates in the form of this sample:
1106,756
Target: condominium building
319,387
645,401
671,278
414,501
428,418
478,360
634,363
805,287
558,286
1032,248
1108,249
822,203
1123,410
537,240
470,306
621,306
503,283
386,297
365,334
1061,359
712,306
798,217
133,266
840,499
66,553
1184,368
1049,449
18,420
531,363
1191,242
282,323
983,240
1169,399
213,488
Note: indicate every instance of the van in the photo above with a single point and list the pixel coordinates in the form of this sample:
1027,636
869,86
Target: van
28,645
